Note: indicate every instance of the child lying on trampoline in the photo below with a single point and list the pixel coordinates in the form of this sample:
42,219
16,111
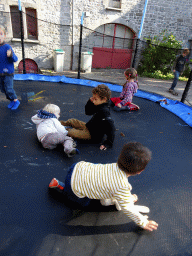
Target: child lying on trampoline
100,124
124,101
109,183
50,132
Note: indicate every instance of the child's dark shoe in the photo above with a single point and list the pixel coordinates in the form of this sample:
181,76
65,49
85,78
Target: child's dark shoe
15,105
73,152
58,185
173,92
11,104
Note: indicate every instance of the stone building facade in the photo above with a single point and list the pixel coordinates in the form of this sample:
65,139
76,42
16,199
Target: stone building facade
58,24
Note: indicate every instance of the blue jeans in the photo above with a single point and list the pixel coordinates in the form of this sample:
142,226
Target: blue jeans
123,108
69,193
176,78
6,86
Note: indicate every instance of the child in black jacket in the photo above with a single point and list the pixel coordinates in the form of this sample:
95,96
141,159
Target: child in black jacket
178,69
100,124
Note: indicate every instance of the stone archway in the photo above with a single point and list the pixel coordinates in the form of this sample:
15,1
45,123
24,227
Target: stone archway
113,46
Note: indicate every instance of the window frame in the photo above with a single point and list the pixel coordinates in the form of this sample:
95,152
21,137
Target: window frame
14,24
27,38
28,17
112,4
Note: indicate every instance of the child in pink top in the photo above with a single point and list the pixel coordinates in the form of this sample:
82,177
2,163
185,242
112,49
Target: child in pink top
124,102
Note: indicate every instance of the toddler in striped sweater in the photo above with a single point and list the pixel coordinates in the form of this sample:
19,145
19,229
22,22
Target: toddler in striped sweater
109,183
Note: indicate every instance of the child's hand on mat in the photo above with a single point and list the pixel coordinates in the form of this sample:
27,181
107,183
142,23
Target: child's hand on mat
151,225
102,147
119,105
9,53
135,198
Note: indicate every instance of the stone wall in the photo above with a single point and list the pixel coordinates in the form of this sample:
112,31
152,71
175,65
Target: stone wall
54,30
173,15
55,23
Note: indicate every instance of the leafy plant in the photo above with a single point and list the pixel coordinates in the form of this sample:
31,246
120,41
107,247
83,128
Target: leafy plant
187,70
159,54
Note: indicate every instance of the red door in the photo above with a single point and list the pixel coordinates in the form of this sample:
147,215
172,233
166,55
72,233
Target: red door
119,55
111,58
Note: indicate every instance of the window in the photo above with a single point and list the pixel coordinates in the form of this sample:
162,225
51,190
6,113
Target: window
15,19
31,18
30,31
115,3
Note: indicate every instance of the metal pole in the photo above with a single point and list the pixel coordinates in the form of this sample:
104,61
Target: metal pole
19,5
22,37
80,46
72,46
140,31
134,58
22,42
187,87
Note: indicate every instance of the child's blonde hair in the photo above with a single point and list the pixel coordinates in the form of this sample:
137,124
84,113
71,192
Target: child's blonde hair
51,108
3,29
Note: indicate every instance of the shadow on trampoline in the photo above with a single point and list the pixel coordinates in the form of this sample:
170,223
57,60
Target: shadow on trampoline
36,221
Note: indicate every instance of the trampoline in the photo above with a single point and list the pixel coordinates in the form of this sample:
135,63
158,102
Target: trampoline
35,222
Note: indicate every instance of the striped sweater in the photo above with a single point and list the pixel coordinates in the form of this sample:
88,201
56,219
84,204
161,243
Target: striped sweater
104,181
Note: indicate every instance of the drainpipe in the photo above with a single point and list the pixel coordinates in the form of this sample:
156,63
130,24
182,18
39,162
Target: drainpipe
143,18
140,31
72,46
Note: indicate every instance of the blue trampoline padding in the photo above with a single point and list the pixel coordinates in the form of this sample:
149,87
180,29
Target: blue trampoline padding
178,108
148,96
63,79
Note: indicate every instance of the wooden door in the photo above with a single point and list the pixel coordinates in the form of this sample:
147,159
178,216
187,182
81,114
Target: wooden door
115,51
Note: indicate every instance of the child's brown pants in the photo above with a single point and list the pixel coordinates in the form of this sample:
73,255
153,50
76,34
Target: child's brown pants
79,129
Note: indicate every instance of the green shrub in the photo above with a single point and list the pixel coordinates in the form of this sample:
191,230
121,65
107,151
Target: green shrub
159,54
187,70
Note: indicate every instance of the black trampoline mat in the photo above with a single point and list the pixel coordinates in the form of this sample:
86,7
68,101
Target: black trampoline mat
35,221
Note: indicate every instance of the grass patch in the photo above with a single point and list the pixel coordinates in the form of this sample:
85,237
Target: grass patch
158,75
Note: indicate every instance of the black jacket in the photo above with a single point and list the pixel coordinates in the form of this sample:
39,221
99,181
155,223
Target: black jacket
180,63
100,124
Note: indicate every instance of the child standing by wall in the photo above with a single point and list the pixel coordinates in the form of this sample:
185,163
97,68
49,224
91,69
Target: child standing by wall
50,132
124,101
178,68
100,124
109,183
7,57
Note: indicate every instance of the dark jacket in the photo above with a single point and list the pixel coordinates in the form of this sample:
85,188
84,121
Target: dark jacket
179,63
100,124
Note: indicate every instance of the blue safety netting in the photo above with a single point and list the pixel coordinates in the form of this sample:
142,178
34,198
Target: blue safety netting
181,110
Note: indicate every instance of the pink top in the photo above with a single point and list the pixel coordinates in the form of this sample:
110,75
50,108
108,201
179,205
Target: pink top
128,91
